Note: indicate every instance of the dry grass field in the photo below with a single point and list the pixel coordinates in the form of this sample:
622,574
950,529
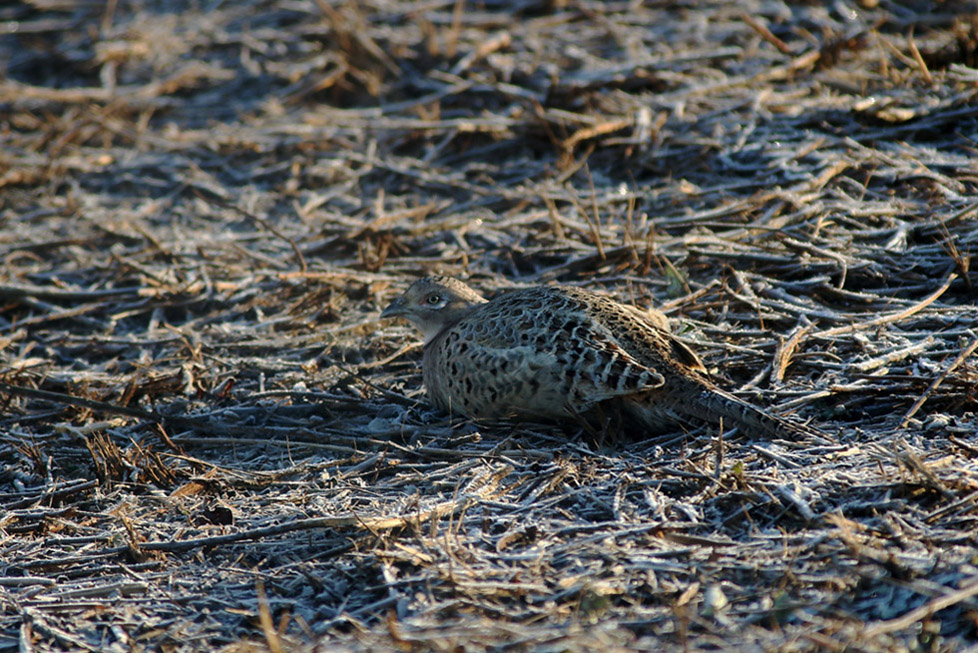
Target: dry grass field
209,440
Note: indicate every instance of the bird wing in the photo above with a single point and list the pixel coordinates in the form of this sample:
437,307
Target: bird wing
605,370
580,358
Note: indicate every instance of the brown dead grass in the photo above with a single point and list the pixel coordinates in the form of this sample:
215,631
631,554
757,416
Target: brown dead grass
209,441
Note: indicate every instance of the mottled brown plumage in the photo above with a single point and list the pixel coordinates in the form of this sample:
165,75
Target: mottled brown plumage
564,352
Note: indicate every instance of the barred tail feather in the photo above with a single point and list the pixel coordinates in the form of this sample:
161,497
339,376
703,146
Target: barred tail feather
712,404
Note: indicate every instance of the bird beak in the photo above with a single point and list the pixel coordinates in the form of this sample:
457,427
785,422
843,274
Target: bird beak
394,309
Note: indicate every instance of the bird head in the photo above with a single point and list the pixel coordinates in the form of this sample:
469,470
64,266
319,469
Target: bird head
432,303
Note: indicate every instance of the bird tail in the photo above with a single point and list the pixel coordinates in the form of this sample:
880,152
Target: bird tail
712,404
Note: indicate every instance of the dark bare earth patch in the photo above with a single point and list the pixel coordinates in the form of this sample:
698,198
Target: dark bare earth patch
209,442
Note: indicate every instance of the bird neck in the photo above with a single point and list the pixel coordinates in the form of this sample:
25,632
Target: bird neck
432,329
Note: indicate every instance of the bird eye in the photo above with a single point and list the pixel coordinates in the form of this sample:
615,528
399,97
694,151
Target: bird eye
433,299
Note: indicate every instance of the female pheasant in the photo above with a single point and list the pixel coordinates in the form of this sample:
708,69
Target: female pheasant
564,352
